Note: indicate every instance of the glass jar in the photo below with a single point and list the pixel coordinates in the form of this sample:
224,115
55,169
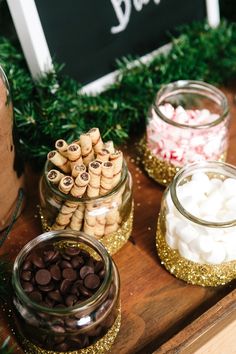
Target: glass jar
188,122
11,175
197,224
89,326
108,218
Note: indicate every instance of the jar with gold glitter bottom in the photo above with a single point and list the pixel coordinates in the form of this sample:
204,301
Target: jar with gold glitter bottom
196,229
108,218
90,325
188,122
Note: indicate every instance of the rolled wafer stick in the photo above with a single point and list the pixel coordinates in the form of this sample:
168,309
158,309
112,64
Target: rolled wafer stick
61,146
80,185
103,155
99,230
77,218
86,148
54,176
107,177
68,207
90,230
111,228
96,139
58,160
74,155
89,218
56,227
66,183
109,145
94,169
77,169
117,160
112,216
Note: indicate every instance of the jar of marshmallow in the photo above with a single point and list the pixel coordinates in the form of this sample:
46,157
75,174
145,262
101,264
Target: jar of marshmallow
196,232
188,122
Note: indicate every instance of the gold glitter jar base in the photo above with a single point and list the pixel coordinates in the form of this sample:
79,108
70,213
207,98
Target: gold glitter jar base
191,272
161,171
113,242
102,346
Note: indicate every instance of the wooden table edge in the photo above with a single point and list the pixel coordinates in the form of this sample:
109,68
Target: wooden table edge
194,336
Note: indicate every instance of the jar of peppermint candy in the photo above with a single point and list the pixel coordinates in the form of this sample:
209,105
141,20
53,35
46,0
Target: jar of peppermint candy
188,122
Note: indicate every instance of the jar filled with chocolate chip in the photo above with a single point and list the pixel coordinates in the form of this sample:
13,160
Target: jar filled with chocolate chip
66,294
107,216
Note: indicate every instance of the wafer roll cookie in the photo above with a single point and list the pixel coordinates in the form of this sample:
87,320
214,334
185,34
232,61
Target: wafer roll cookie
77,169
94,169
63,219
68,207
86,148
96,139
103,155
66,184
107,177
58,160
56,227
54,176
99,230
61,146
89,218
80,184
112,216
109,145
77,218
90,230
111,228
74,155
117,160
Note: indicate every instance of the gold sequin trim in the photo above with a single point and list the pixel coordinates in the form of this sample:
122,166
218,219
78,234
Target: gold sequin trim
102,346
113,242
191,272
160,170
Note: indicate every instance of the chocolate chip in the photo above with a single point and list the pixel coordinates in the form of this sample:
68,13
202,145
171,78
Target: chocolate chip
28,287
38,261
65,264
65,286
71,300
55,271
43,277
72,251
26,275
71,323
99,265
62,347
58,329
36,296
46,288
85,270
69,273
77,262
48,255
55,296
102,274
55,257
92,281
27,265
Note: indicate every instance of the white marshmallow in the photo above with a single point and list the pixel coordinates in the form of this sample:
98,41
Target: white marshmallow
230,252
229,187
190,204
202,179
184,250
217,255
206,243
171,222
215,184
171,241
231,203
188,233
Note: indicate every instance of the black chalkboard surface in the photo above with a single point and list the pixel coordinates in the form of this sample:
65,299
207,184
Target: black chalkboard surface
89,35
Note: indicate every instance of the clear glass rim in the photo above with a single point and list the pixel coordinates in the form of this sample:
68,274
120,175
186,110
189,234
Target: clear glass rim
68,235
124,175
186,86
211,165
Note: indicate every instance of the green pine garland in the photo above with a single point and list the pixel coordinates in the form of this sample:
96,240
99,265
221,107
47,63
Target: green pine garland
52,107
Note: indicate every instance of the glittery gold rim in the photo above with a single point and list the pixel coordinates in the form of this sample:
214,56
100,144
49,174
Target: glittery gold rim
112,242
191,272
103,345
160,170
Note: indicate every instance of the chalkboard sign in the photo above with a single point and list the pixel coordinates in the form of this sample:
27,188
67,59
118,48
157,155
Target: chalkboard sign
88,36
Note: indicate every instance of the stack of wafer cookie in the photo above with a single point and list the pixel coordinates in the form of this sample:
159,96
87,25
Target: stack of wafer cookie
87,169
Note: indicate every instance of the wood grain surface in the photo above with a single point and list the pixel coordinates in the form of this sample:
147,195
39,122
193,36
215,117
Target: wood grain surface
156,307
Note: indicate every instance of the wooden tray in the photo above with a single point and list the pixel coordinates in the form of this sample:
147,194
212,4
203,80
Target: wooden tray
159,312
